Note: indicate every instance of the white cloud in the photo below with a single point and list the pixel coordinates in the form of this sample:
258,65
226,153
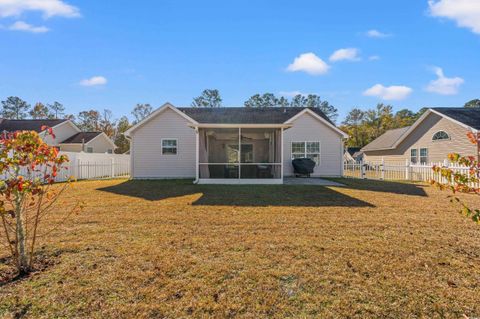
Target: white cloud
308,63
94,81
374,57
394,92
376,34
465,12
348,54
49,8
443,85
23,26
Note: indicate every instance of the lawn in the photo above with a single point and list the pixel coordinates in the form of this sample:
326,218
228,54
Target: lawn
154,249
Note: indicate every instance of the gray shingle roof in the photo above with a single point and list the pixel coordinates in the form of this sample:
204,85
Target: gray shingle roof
82,137
246,115
467,116
27,125
386,141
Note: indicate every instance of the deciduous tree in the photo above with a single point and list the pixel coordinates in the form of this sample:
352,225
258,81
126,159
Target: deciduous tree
40,111
123,145
89,120
141,111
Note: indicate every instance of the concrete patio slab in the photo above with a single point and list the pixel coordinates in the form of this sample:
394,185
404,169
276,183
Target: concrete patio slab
309,181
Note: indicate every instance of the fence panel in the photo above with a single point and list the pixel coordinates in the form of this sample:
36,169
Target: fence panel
399,171
88,166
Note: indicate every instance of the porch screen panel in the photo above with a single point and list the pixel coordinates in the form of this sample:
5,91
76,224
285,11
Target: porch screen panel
259,153
221,156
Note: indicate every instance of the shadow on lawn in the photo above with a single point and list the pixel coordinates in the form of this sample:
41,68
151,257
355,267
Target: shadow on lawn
237,195
383,186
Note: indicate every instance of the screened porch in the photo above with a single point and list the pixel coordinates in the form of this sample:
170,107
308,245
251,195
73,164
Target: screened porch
239,154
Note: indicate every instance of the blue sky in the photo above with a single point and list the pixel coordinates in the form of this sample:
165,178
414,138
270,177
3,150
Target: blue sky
114,54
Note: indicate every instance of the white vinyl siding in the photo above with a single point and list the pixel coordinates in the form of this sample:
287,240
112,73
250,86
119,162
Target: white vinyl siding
330,146
146,149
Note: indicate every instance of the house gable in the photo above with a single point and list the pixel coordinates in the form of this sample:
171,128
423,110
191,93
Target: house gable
420,136
307,128
146,147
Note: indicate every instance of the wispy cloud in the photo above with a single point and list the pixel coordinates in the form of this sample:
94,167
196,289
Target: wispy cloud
394,92
348,54
49,8
443,85
466,13
308,63
377,34
23,26
374,57
94,81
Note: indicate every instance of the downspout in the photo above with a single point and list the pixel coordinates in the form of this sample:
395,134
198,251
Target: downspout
197,139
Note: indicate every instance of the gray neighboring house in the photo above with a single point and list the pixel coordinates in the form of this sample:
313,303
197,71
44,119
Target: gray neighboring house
437,133
233,145
68,137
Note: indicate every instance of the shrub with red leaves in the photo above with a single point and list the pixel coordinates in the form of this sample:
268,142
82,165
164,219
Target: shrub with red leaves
28,167
465,181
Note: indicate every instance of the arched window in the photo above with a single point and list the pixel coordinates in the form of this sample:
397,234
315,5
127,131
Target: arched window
440,136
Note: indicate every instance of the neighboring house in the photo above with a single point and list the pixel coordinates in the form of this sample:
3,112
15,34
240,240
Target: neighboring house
353,154
437,133
68,137
233,144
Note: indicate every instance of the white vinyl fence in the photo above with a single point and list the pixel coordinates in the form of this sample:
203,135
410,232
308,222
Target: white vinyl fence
92,166
399,171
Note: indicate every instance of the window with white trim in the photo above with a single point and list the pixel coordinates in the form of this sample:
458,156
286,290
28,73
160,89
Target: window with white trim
440,136
89,149
423,155
169,146
414,156
309,150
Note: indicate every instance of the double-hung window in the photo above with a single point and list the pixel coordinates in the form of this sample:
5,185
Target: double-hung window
414,156
423,155
309,150
169,146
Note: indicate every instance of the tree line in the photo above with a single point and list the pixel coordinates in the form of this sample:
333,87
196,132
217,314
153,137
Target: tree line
89,120
362,126
212,98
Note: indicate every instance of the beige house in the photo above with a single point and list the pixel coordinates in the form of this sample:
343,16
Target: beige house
235,145
68,137
437,133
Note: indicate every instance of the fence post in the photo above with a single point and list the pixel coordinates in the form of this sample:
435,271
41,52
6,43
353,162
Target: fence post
407,169
112,161
362,169
382,172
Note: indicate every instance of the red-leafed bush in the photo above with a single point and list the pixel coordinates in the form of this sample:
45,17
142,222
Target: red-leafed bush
28,167
464,181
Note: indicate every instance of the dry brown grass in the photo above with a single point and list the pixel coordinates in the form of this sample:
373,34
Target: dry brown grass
153,249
